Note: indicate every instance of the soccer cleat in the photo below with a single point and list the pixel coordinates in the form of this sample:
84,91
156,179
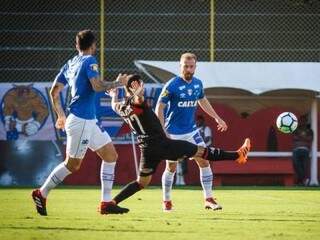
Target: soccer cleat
40,202
167,206
210,203
112,208
243,152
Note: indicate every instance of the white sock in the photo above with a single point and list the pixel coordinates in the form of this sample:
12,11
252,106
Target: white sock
55,178
167,181
206,178
106,177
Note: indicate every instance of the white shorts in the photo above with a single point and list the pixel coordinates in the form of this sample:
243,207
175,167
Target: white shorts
83,134
193,137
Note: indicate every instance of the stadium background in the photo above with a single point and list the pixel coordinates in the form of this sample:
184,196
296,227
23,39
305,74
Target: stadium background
36,38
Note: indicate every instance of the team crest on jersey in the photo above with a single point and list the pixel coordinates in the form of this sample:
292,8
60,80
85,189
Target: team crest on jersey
165,93
190,92
94,67
196,86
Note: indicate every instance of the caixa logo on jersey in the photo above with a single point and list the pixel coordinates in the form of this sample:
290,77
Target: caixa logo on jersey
24,111
187,104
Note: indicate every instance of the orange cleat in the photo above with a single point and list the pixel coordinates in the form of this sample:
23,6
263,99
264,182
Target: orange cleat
243,152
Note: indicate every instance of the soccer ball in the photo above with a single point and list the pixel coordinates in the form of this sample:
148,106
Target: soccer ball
287,122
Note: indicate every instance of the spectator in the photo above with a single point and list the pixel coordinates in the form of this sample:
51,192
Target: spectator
302,140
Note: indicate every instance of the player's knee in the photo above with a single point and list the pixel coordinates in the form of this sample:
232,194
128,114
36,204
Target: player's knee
171,167
112,156
202,162
73,164
108,154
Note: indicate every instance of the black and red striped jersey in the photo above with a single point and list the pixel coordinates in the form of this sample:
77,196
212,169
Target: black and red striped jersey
141,119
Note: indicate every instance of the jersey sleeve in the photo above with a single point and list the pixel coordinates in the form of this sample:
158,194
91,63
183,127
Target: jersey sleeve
166,93
201,95
60,78
92,68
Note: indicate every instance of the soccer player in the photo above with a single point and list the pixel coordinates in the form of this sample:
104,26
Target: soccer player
179,99
153,142
82,75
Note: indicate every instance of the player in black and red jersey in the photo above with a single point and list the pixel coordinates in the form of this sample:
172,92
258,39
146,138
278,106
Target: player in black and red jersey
154,145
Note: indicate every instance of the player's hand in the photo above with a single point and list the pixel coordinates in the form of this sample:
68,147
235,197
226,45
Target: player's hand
122,79
61,122
136,87
222,126
112,92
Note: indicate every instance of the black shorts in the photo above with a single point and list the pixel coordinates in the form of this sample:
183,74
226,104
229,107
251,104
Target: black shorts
156,150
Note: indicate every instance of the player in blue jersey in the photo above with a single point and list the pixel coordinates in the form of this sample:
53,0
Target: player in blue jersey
82,75
176,110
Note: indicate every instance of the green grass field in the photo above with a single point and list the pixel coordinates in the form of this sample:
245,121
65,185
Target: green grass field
249,213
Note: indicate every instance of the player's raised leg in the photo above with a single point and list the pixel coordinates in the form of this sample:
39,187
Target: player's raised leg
217,154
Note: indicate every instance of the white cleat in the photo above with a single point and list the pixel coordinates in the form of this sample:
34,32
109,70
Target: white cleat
210,203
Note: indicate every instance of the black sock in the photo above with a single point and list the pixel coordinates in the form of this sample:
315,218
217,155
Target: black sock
216,154
127,191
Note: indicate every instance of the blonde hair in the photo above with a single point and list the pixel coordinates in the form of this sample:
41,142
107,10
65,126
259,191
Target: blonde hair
188,56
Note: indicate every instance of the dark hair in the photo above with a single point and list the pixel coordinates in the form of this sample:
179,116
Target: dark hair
85,39
132,79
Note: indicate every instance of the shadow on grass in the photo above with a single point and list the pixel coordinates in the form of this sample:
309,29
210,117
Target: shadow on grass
111,229
259,220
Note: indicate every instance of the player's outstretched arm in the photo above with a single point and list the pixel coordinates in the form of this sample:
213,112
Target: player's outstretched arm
206,106
100,85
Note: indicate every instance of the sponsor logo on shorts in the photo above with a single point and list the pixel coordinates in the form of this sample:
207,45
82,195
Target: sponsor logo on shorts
84,141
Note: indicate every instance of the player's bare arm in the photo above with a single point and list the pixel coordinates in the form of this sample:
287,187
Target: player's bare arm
55,99
100,85
206,106
138,92
159,112
115,103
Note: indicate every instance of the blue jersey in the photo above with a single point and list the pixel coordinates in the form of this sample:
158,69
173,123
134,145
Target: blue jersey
181,98
76,73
